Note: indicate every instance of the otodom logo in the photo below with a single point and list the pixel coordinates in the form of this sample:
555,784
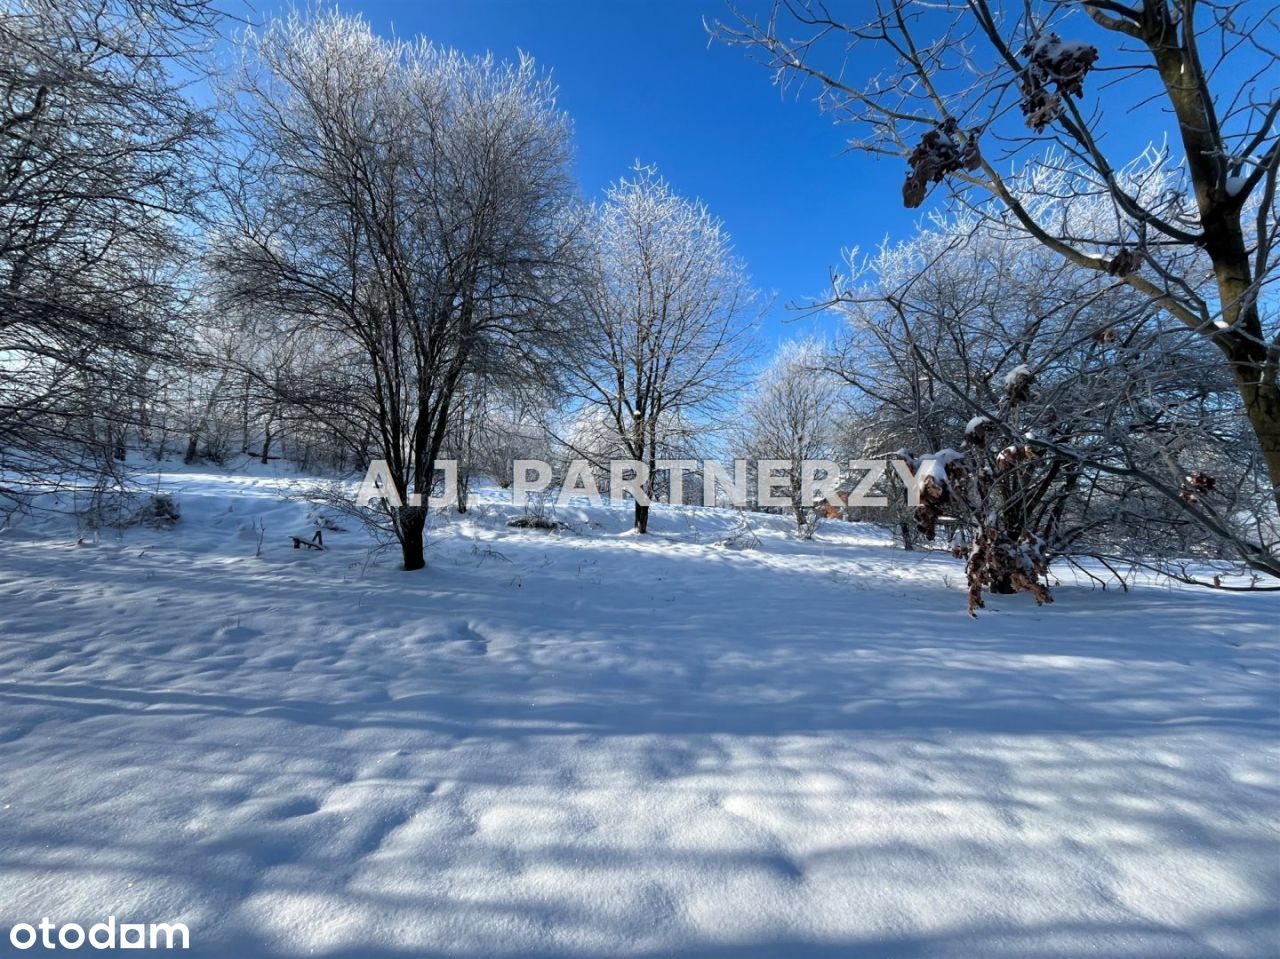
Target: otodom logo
109,934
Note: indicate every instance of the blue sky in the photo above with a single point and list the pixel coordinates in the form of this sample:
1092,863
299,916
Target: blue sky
642,82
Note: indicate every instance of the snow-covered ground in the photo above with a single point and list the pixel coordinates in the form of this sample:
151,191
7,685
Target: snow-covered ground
596,744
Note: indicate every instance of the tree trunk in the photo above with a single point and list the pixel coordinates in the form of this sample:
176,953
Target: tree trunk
1262,407
639,436
193,445
244,416
144,411
1243,343
411,522
1224,241
650,482
116,439
266,442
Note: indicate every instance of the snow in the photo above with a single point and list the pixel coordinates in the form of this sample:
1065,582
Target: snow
976,424
1051,50
590,744
1239,173
1016,375
934,466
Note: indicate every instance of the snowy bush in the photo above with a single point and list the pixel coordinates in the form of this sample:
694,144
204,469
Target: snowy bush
126,509
539,513
742,536
321,519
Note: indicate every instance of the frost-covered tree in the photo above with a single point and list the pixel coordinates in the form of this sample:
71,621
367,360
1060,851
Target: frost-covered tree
793,413
966,92
510,430
667,321
252,373
496,424
99,180
1088,422
414,204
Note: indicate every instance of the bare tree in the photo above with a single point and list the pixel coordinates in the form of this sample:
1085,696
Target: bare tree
1087,421
791,414
497,426
667,318
976,84
246,362
413,203
99,175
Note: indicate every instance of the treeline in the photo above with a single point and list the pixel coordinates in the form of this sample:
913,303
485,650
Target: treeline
345,248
